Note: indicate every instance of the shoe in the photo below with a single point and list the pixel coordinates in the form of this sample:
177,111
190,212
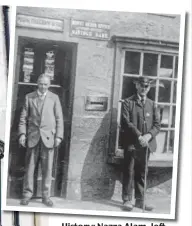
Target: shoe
127,206
24,202
47,202
148,207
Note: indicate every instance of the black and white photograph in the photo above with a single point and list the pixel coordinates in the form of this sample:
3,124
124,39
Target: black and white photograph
93,117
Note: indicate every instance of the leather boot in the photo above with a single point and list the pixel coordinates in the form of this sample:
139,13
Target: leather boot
127,205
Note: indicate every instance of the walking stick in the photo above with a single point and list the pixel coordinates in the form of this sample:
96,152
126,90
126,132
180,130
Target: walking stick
146,163
145,178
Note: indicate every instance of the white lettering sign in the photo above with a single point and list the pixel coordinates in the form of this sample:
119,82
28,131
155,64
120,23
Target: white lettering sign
92,30
39,23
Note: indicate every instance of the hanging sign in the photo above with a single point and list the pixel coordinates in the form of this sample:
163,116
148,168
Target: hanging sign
39,23
90,30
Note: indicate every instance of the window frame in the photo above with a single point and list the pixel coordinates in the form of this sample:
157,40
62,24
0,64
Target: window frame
123,44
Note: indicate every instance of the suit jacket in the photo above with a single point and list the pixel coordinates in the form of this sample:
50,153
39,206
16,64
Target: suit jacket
138,120
46,124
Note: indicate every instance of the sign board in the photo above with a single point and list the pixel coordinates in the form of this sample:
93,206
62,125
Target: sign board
39,23
90,30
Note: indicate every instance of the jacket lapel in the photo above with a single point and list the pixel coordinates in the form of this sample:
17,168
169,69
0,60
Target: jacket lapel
34,100
46,102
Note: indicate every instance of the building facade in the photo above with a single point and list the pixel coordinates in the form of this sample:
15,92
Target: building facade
96,56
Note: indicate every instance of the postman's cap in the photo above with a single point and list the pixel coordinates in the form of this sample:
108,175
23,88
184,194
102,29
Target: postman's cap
143,80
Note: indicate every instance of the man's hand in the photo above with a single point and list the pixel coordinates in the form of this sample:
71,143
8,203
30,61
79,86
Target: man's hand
147,137
142,141
57,141
22,140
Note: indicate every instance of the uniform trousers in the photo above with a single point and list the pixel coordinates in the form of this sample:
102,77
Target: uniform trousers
44,156
134,173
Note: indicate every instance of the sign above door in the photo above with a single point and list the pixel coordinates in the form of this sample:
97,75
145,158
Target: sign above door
39,23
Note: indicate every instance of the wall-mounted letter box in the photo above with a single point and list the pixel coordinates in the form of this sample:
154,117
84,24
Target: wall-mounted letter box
95,103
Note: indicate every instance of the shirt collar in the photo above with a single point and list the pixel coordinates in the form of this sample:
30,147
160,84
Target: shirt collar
40,94
141,98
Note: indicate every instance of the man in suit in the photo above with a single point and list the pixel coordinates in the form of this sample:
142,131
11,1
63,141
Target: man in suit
40,131
140,125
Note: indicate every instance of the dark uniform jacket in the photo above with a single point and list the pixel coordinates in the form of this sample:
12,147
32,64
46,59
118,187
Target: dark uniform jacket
138,120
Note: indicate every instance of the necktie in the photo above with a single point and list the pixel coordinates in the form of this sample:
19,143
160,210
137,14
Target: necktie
143,101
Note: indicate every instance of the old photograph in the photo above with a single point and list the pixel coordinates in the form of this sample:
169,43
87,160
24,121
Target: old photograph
95,112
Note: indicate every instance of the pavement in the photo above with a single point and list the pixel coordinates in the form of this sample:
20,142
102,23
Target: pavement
162,204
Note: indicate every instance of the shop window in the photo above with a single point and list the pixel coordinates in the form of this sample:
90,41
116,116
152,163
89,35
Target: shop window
150,64
162,69
132,62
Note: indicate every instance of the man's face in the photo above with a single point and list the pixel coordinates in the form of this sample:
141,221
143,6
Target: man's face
43,85
142,89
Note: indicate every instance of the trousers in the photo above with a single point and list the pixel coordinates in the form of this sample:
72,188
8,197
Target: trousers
44,156
134,173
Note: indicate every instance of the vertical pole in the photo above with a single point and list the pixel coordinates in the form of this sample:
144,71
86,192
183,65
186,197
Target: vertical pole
16,218
145,179
0,194
146,161
6,30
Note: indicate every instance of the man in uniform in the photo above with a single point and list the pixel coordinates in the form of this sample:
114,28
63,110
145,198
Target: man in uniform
140,124
40,131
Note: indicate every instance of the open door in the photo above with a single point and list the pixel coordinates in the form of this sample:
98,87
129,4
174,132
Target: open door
63,86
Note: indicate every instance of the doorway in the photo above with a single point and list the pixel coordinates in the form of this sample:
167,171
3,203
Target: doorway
63,83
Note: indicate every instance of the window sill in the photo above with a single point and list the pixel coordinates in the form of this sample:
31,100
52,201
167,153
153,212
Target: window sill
156,160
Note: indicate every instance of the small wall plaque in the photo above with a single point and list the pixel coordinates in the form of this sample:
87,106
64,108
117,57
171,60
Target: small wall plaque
95,103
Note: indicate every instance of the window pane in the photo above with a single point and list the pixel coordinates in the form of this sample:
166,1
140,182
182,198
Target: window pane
132,62
151,94
171,141
173,117
150,64
175,92
176,67
166,67
128,87
164,112
164,91
161,141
